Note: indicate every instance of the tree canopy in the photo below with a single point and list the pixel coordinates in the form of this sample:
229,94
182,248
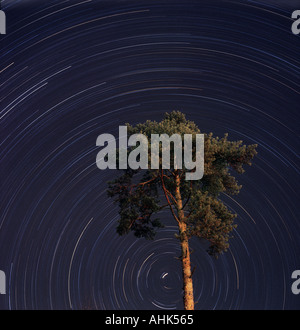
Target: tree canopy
142,194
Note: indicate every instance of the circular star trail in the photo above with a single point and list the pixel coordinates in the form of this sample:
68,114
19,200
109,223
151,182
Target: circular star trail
71,70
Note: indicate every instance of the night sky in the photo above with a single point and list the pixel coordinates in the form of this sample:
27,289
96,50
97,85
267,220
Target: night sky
71,70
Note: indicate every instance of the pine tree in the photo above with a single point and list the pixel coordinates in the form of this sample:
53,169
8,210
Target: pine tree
195,205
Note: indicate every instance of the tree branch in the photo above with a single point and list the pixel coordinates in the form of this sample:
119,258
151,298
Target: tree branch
163,206
186,201
166,194
146,182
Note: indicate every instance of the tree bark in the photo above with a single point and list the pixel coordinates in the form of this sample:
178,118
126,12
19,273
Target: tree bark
188,298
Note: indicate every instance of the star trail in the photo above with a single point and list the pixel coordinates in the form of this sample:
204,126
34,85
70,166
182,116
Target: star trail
72,70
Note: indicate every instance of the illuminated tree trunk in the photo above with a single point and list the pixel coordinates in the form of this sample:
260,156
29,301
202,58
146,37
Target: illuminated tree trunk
188,298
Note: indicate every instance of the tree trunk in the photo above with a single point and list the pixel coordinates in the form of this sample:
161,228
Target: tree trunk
188,298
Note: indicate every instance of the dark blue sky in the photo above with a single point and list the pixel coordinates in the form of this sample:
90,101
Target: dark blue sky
71,70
